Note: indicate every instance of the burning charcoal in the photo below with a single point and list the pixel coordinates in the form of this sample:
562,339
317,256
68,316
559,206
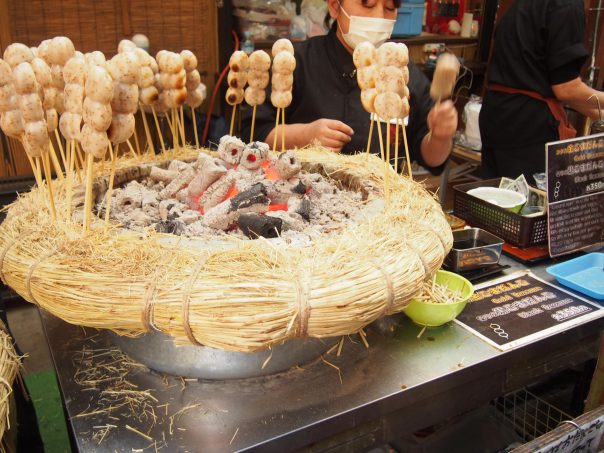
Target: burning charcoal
177,183
217,192
178,166
253,155
222,216
254,195
288,165
229,149
300,206
182,196
165,206
165,176
210,171
190,216
254,226
300,188
129,198
178,227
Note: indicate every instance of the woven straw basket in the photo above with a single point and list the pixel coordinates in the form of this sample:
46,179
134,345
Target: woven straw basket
234,295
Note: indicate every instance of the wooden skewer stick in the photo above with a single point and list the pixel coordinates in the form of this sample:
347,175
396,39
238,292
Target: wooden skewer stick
81,162
60,143
110,189
182,126
387,166
371,121
172,130
136,156
283,130
253,123
233,119
276,131
396,147
70,165
36,171
147,131
136,143
381,140
407,150
55,162
75,158
88,193
160,136
195,126
48,177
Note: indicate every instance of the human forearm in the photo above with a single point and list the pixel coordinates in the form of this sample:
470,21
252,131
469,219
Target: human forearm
577,95
435,151
294,136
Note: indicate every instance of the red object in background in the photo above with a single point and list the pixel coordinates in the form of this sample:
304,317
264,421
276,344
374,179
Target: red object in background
440,12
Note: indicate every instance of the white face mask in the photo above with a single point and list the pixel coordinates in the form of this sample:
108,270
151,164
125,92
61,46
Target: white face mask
373,29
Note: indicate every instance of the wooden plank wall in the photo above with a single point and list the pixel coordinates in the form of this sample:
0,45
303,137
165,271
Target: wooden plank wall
94,25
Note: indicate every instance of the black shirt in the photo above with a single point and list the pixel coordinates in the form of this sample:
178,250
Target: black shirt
325,86
538,43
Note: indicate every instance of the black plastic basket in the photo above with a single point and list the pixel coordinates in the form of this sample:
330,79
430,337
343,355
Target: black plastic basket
513,228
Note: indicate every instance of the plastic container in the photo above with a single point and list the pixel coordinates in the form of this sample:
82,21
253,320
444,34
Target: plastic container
505,198
410,19
584,274
511,227
473,248
433,314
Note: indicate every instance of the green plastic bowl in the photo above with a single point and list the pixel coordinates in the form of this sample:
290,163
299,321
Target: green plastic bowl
434,314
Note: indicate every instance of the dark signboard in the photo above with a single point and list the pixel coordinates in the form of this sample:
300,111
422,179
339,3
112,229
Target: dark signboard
518,310
575,191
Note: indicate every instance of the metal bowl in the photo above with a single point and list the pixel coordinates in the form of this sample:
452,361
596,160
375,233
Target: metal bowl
473,248
158,351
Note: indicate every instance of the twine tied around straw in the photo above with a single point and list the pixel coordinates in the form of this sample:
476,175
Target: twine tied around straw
187,299
5,250
147,312
303,307
389,287
421,258
32,268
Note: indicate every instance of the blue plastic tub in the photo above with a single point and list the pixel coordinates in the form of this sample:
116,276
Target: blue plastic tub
410,19
584,274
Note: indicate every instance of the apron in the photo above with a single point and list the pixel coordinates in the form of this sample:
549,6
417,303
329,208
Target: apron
565,129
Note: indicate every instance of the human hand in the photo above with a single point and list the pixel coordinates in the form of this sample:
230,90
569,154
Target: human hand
332,134
442,121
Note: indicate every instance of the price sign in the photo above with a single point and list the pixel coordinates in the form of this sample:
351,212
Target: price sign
517,310
575,190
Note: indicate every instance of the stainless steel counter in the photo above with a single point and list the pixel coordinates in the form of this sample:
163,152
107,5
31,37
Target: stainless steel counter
400,383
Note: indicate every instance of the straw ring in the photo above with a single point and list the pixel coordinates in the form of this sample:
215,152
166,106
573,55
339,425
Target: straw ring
30,273
6,248
304,308
187,299
389,287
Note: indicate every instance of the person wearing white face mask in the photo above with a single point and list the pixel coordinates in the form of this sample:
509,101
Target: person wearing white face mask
326,104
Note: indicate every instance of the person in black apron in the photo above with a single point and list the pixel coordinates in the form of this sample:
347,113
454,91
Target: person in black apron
537,57
326,104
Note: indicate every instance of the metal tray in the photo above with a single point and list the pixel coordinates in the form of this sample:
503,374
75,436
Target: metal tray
473,248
